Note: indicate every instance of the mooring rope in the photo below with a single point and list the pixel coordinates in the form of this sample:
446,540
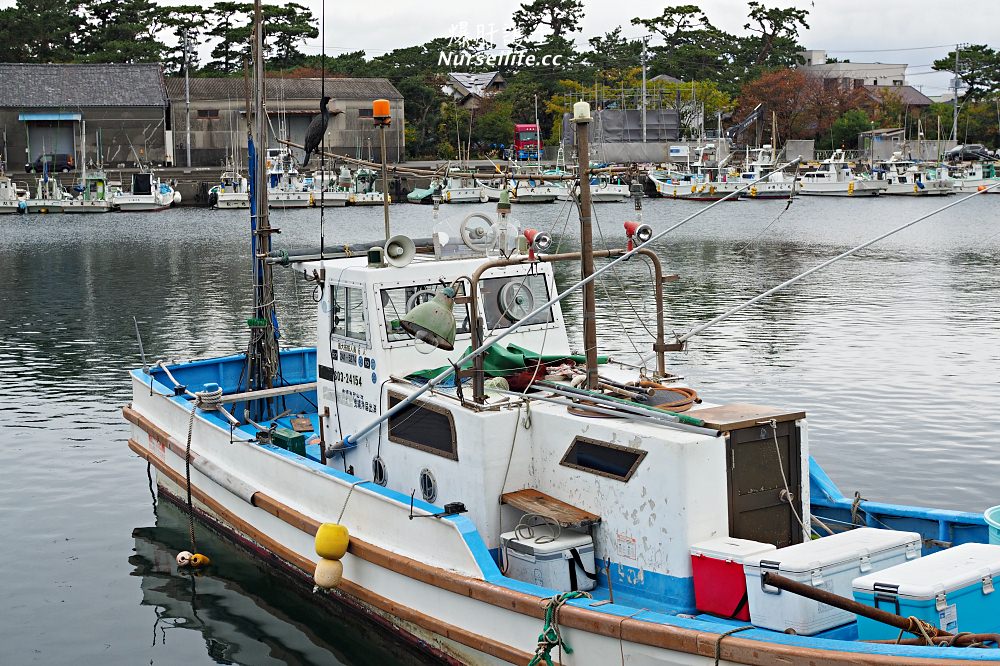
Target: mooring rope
551,635
207,401
718,641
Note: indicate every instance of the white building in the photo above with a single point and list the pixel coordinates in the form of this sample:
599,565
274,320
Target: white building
853,74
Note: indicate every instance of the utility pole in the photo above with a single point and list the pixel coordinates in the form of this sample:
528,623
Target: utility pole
187,98
954,116
644,41
581,116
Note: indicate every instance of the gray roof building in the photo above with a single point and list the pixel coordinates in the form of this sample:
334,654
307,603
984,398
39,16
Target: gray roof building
44,109
65,86
468,88
219,88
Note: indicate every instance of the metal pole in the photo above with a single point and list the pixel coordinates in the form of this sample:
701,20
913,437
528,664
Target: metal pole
587,250
187,99
954,116
385,183
644,90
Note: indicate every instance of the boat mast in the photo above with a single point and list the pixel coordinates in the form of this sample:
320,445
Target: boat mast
581,116
262,352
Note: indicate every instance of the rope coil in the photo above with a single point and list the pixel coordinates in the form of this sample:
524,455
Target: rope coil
551,636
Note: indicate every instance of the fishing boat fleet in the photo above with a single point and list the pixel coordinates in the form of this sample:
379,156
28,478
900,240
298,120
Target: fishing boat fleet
446,461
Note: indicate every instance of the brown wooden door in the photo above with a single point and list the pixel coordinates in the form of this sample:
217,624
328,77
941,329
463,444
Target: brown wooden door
757,508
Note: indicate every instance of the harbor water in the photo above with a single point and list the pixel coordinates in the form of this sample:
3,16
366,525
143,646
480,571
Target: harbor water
894,354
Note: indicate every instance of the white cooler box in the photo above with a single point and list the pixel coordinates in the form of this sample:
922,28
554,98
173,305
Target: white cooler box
830,563
957,589
565,564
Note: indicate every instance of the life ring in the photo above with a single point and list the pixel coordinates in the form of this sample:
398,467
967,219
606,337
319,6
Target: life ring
712,189
850,187
753,192
483,197
694,188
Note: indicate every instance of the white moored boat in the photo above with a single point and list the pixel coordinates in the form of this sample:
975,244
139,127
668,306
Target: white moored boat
92,195
231,192
974,175
10,202
285,187
572,510
147,194
915,179
776,185
456,188
330,188
49,196
835,178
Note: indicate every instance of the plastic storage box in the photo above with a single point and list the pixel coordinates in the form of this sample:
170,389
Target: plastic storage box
719,584
957,589
564,564
830,563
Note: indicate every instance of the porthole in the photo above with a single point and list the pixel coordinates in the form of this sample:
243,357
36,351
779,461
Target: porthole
428,486
378,471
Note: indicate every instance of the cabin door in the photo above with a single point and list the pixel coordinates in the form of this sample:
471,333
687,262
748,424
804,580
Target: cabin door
758,509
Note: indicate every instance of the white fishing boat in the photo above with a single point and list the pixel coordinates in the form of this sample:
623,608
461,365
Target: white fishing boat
702,180
92,195
48,196
456,188
10,201
576,503
331,188
147,194
231,192
608,188
529,188
364,190
285,187
759,166
835,178
975,175
916,179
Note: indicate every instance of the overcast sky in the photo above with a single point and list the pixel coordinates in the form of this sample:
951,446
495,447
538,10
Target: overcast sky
845,28
855,29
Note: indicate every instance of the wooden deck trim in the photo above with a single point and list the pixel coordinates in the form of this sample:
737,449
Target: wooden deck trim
690,641
268,393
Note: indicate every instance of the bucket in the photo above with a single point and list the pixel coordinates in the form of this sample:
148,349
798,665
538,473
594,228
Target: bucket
993,520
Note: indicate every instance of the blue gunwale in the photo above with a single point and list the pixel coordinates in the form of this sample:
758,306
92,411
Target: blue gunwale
825,497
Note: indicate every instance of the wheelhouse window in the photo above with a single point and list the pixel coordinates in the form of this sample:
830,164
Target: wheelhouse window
348,313
603,458
508,299
398,301
423,426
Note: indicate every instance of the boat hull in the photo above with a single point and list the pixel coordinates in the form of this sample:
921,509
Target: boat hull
289,199
8,207
93,206
231,200
44,206
460,604
934,188
860,189
139,203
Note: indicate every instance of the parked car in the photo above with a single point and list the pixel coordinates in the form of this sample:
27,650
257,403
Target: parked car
56,161
969,152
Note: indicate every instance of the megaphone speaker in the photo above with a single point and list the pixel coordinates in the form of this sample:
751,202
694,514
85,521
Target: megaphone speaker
399,251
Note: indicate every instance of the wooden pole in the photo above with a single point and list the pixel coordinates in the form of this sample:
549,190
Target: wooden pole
587,248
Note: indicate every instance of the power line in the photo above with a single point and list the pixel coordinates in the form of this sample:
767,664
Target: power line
914,48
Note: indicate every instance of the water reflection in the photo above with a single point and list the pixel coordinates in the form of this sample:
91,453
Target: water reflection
244,613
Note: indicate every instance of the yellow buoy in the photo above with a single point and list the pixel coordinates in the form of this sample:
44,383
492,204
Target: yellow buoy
328,573
332,541
199,560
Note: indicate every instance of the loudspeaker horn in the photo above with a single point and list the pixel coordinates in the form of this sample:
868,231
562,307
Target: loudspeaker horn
399,251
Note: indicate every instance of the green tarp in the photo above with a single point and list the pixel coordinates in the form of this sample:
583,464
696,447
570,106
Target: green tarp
499,361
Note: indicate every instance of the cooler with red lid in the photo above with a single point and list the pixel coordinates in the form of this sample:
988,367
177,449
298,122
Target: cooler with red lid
720,586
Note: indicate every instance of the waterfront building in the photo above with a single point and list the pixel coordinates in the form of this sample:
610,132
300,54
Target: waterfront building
218,116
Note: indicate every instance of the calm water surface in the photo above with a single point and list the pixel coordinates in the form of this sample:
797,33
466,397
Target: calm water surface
894,355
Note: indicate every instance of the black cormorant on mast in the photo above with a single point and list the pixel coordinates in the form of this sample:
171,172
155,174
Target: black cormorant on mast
316,130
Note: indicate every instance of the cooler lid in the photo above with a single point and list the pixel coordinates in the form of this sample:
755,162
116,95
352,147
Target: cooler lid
567,539
730,549
944,571
835,549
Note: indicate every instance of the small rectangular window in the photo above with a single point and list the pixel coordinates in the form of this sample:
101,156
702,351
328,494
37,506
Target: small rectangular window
603,458
348,313
423,426
397,302
508,299
208,113
364,113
